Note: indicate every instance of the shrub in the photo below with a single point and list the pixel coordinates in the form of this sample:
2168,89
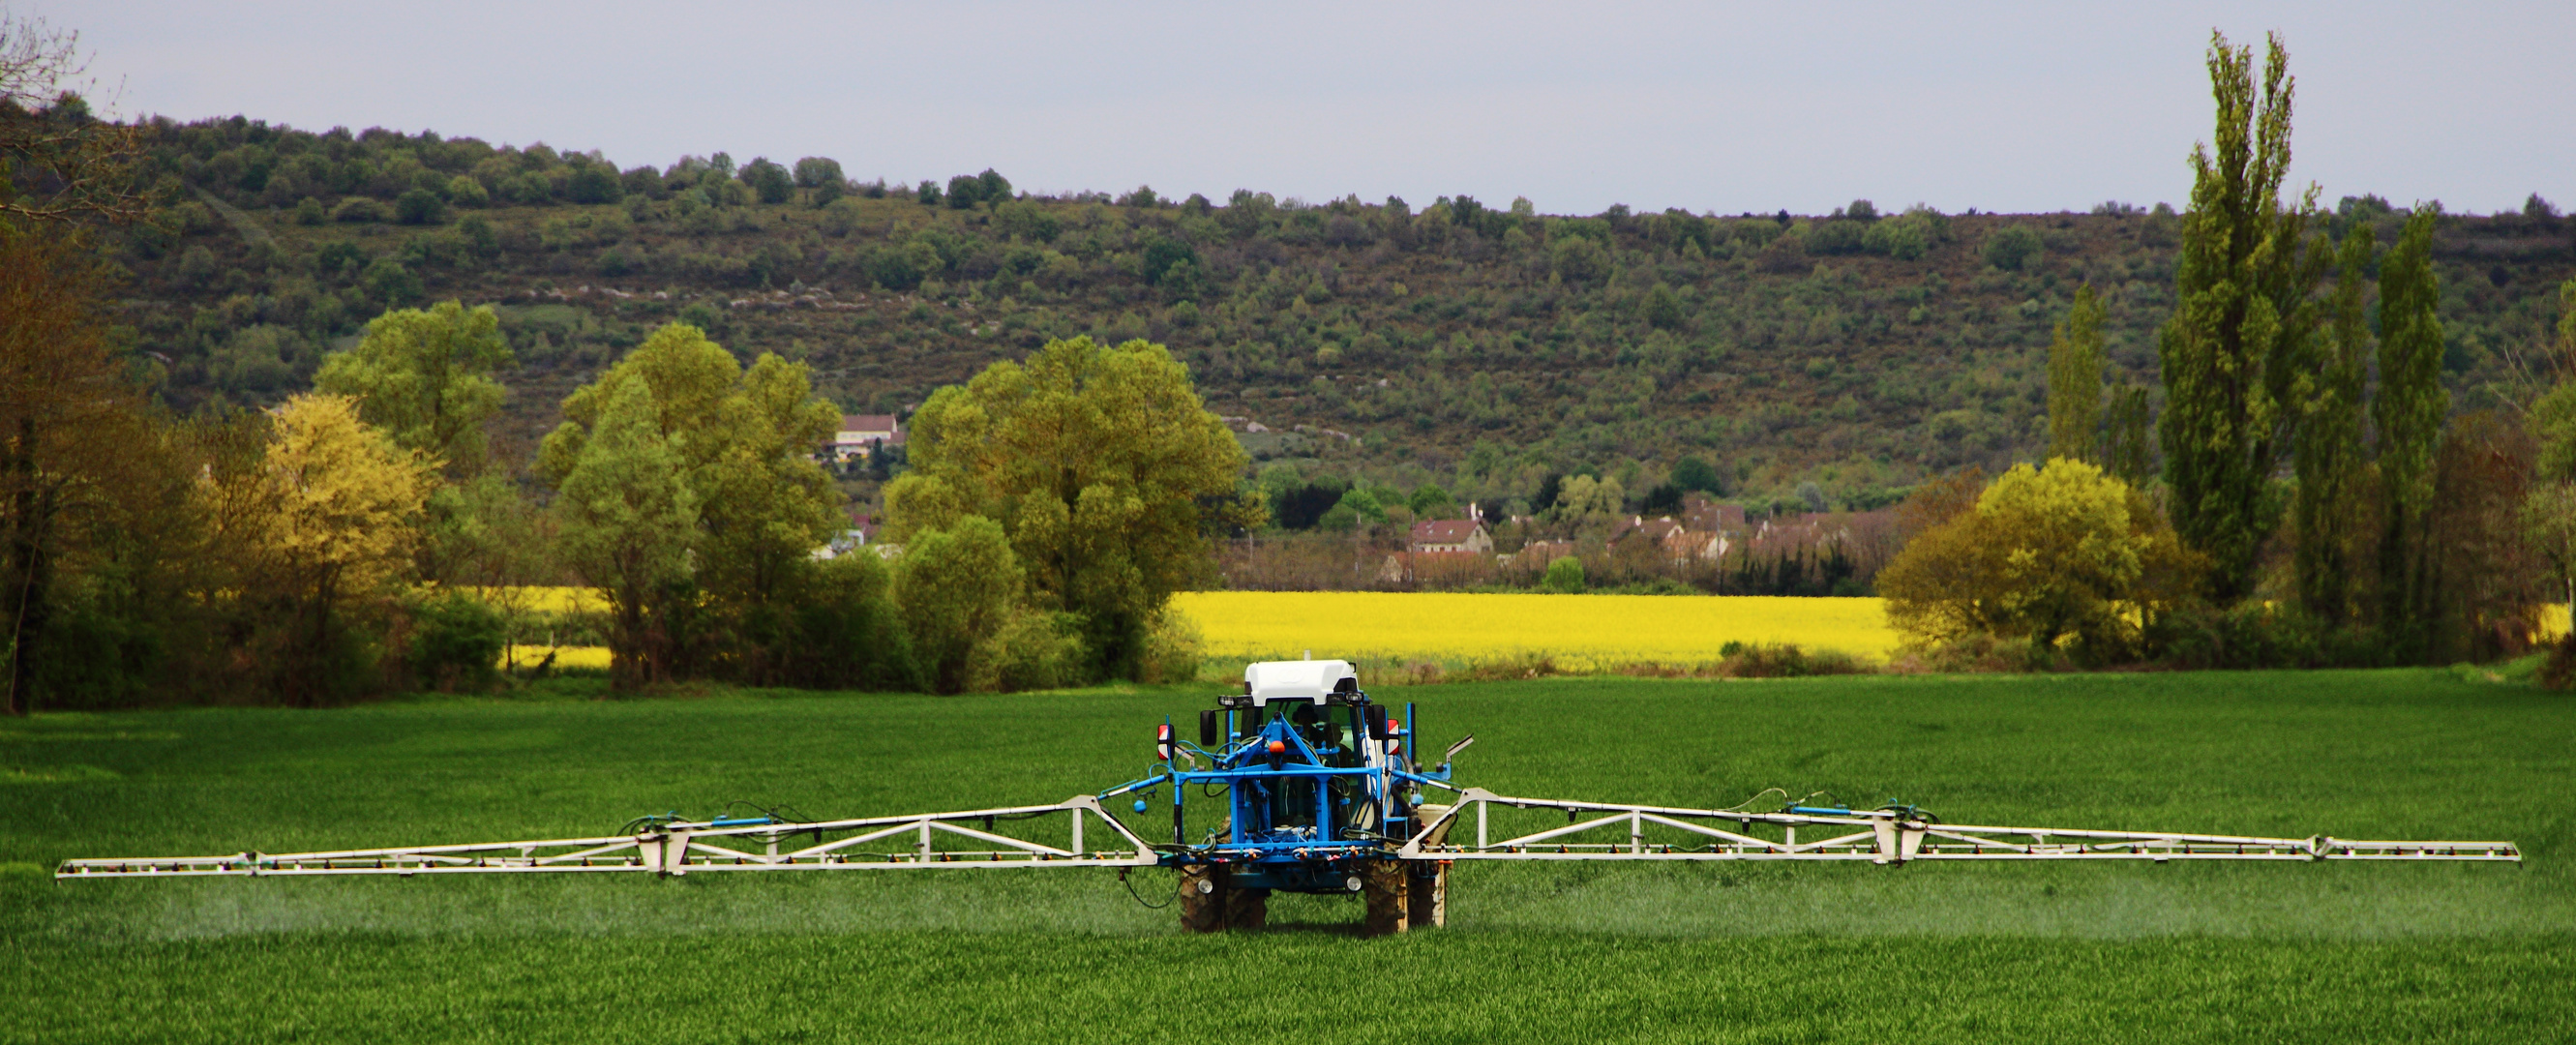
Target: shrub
466,192
358,209
1564,576
2062,554
1031,650
455,643
420,207
1837,237
2012,248
1904,239
308,211
1579,259
1172,649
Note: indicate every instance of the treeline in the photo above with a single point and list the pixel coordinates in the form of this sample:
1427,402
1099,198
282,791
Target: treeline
1478,347
2321,500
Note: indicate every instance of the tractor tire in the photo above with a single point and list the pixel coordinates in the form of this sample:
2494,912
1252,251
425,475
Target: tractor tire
1203,898
1383,883
1427,896
1247,910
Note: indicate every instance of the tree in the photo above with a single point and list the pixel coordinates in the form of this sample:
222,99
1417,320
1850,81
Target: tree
2408,412
2075,380
2129,443
2241,324
593,182
335,509
425,377
1694,473
625,520
2553,415
419,207
72,428
745,442
1101,464
1663,308
2327,453
78,166
2549,524
959,587
2012,247
1429,501
1564,576
2050,555
769,180
1583,497
814,172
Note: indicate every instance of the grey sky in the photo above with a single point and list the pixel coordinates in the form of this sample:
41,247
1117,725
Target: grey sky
1710,107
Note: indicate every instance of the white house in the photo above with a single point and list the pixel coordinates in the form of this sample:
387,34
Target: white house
860,433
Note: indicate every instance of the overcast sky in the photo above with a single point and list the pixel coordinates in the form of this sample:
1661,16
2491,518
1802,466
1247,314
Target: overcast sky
1577,106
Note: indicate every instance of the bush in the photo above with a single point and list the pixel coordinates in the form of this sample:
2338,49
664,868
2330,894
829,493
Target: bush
848,633
1032,650
1837,237
420,207
455,643
2062,554
1579,259
466,192
358,209
308,211
1564,576
2012,248
1173,649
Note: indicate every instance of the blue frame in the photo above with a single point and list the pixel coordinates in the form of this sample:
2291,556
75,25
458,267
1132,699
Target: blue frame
1314,856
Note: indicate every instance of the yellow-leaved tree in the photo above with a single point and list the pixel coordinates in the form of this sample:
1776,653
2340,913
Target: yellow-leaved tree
328,518
2055,555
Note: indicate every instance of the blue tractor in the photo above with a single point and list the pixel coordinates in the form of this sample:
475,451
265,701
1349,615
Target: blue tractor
1321,791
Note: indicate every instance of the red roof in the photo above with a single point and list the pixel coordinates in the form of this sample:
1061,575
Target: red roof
1444,531
868,423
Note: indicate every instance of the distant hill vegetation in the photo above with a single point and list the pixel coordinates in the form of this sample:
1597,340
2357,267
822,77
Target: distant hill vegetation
1485,347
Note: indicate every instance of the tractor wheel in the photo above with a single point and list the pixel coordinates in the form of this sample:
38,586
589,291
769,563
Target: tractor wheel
1427,896
1203,898
1383,884
1247,910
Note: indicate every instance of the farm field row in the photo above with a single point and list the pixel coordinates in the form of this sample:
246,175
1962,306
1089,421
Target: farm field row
1756,952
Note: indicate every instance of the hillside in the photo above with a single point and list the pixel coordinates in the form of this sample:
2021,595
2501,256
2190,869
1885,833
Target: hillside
1480,346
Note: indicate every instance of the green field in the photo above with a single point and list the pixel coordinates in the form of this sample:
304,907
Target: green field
1727,952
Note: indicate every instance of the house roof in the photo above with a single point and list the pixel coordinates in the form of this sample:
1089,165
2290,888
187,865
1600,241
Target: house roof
868,423
1445,531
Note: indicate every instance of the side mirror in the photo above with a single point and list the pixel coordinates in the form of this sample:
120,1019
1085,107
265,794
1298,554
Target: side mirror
1211,725
1376,716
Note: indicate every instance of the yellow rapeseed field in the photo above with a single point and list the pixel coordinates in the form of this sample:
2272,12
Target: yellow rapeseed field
1580,632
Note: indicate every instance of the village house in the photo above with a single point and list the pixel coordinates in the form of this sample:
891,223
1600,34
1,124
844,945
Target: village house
1451,535
1450,550
860,433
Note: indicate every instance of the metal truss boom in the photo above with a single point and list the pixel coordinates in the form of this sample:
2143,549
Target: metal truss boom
964,839
1885,836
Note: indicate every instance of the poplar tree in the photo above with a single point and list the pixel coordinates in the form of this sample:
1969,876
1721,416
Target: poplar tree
2242,321
2075,380
2328,453
2408,413
2129,444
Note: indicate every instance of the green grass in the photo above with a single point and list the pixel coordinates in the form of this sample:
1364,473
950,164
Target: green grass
1752,952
